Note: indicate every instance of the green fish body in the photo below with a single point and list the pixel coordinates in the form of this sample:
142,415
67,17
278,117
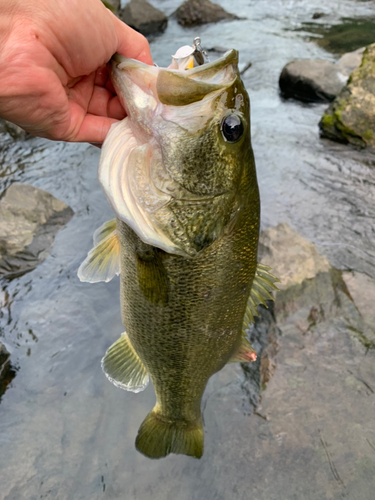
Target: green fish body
180,175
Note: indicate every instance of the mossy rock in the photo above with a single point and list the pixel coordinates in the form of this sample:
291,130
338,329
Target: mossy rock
351,116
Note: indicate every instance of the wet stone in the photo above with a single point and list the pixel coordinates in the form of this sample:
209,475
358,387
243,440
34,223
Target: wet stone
7,373
29,220
16,132
144,17
292,258
289,411
317,80
195,12
362,291
351,116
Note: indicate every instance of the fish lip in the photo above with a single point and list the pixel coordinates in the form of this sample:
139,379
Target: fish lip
230,57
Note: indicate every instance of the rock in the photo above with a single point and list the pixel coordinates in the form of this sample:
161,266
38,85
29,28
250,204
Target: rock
7,373
350,61
196,12
351,117
317,80
318,15
16,132
29,220
310,80
312,418
311,291
292,258
362,291
144,17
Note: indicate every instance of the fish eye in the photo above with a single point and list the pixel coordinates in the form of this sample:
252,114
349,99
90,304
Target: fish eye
232,128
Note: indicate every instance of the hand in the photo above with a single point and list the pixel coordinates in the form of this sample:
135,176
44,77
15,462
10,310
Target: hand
53,76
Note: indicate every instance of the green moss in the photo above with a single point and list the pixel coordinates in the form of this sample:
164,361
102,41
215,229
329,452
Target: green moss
350,34
368,135
328,120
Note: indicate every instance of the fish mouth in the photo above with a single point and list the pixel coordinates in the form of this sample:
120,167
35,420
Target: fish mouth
148,86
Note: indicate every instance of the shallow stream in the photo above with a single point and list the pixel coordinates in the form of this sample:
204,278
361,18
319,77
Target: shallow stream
65,432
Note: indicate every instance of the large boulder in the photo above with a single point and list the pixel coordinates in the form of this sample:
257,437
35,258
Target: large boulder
351,116
143,17
29,220
196,12
311,291
317,80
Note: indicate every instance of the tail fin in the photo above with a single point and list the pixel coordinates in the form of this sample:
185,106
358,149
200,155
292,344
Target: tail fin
158,437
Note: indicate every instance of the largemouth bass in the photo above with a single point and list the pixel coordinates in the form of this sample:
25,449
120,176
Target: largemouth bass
179,173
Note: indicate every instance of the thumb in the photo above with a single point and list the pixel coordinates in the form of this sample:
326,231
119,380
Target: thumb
130,43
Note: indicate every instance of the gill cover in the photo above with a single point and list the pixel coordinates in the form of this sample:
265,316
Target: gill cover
131,169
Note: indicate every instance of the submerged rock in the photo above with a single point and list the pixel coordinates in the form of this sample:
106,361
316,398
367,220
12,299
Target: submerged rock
311,291
195,12
29,220
7,373
317,80
312,418
16,132
144,17
351,117
362,292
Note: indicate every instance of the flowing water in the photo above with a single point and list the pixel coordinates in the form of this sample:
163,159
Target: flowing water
65,431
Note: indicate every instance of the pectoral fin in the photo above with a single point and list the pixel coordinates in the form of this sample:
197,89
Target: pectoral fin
123,367
103,261
263,284
245,353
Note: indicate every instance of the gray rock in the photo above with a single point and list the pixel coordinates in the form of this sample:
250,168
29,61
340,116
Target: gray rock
350,61
196,12
7,373
292,258
144,17
318,15
351,117
29,220
16,132
317,80
314,419
362,291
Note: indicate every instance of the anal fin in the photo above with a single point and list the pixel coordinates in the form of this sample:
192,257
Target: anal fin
123,367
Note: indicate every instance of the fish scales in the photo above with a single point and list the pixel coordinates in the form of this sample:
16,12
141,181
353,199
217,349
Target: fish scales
180,175
197,329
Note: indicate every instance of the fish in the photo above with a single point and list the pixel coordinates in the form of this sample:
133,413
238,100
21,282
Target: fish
179,173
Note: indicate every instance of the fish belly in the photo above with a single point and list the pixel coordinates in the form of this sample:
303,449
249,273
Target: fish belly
183,316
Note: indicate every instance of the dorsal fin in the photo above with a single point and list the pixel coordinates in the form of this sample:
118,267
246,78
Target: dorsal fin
103,261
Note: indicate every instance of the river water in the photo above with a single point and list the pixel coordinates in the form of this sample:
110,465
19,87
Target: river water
65,432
